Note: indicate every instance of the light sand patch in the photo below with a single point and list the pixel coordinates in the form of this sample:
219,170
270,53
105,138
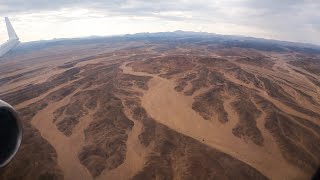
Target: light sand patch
233,117
174,110
67,148
28,102
275,102
135,156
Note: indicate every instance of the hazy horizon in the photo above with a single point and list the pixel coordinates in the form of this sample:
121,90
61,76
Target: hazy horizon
120,35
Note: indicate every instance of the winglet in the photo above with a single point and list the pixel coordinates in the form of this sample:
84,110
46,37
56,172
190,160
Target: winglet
11,33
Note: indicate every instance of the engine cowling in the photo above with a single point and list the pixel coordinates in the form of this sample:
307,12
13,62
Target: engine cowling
10,133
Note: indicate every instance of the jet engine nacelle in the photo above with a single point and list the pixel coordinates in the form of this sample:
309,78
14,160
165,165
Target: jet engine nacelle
10,133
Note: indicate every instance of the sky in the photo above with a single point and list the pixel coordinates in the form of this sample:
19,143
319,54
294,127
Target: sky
291,20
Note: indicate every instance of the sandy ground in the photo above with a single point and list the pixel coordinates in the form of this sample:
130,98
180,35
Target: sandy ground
277,103
174,110
67,148
135,156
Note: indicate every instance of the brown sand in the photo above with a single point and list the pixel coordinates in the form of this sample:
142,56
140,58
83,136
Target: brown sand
174,110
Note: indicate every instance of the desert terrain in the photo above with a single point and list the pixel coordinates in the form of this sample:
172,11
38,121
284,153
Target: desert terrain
164,107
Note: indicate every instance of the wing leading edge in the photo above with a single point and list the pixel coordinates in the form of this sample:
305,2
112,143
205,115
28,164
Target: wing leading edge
13,39
11,33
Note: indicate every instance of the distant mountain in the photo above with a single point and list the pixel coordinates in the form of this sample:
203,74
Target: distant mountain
226,41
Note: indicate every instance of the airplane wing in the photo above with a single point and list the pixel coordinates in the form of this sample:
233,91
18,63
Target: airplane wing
13,39
11,33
